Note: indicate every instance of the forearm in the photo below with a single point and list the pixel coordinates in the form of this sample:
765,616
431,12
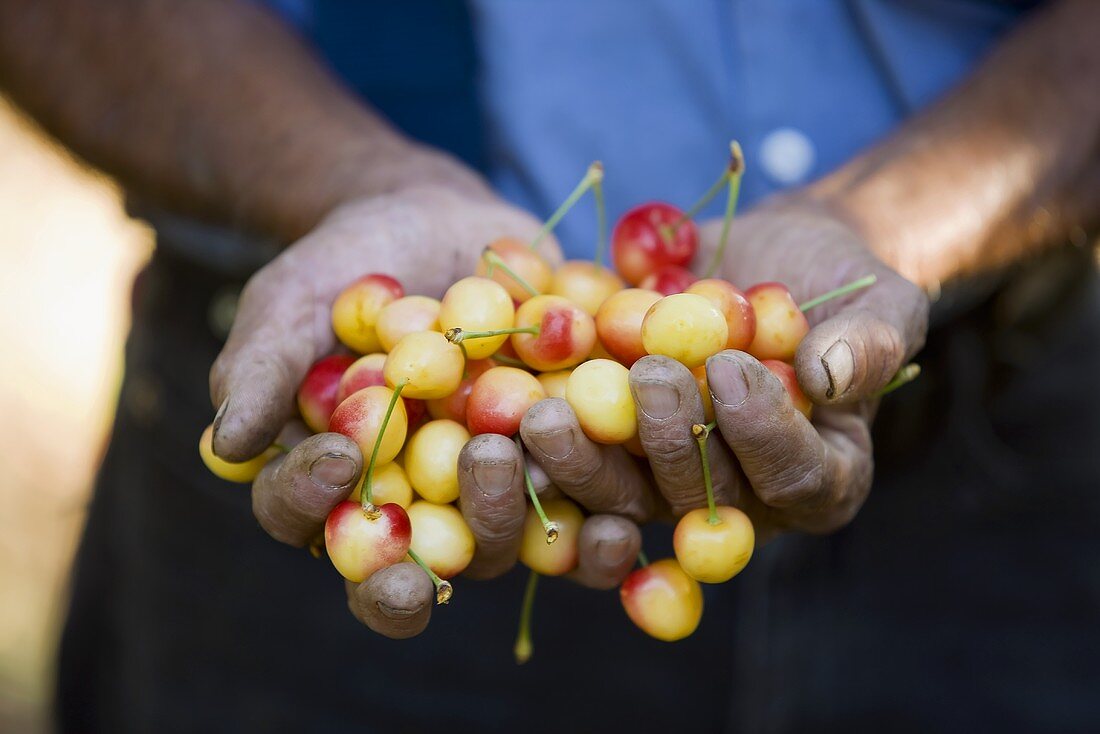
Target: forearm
1007,163
210,107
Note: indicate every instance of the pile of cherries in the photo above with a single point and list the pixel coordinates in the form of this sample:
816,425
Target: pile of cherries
433,373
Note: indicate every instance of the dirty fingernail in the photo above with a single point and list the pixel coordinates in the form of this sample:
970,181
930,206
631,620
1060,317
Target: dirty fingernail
332,470
556,444
658,400
839,367
494,479
728,383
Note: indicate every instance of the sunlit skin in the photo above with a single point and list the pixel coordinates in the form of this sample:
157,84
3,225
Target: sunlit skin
780,324
789,378
429,365
500,398
669,280
619,323
363,372
388,484
478,304
714,553
554,382
566,333
441,537
586,284
559,557
405,316
360,418
453,406
431,459
319,393
740,316
685,327
700,375
662,600
355,311
524,262
599,393
359,542
638,247
240,472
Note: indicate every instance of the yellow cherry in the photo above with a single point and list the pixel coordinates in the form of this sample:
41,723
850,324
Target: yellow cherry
241,472
478,305
554,382
599,393
405,316
389,484
685,327
431,459
355,311
429,365
517,256
586,284
560,556
713,553
360,418
441,538
662,600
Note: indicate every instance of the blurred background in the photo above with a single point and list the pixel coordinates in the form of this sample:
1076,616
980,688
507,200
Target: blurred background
62,233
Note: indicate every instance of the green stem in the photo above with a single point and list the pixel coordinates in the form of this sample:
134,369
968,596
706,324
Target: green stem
550,527
601,222
507,361
457,335
591,176
737,162
443,589
733,170
701,433
905,375
495,261
865,282
523,647
368,483
643,560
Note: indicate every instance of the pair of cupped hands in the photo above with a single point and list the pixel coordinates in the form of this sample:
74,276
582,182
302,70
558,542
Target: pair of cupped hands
786,472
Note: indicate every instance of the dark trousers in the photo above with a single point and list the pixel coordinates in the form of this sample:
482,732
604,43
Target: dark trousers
965,597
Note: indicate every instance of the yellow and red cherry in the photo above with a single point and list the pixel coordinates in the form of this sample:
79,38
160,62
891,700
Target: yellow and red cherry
713,553
499,399
599,393
431,460
586,284
363,372
662,600
355,311
649,237
405,316
427,363
668,280
390,484
789,378
441,539
453,406
319,393
739,313
522,271
477,312
557,553
685,327
362,540
362,418
700,375
780,323
619,323
553,383
553,333
241,472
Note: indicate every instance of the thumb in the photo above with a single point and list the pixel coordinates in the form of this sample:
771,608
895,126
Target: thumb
279,331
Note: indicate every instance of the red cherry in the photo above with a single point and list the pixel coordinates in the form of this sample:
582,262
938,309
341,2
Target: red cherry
319,391
787,376
669,280
638,246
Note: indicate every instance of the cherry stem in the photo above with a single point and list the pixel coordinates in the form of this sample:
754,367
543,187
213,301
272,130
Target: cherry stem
702,432
643,559
495,261
368,483
550,527
443,589
737,163
733,170
507,361
865,282
601,221
905,375
457,335
523,647
591,176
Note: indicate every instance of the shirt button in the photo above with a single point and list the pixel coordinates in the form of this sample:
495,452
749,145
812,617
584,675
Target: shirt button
787,156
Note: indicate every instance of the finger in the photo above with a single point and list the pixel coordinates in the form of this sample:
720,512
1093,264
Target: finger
544,487
608,548
277,334
490,477
395,601
853,354
294,494
669,404
601,478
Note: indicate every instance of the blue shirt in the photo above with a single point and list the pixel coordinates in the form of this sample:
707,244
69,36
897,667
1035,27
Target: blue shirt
532,91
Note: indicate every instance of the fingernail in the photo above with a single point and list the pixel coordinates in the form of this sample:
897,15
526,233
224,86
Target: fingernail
610,552
658,400
727,381
839,367
494,479
556,444
217,424
332,470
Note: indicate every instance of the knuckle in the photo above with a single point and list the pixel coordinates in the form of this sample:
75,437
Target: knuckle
792,485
